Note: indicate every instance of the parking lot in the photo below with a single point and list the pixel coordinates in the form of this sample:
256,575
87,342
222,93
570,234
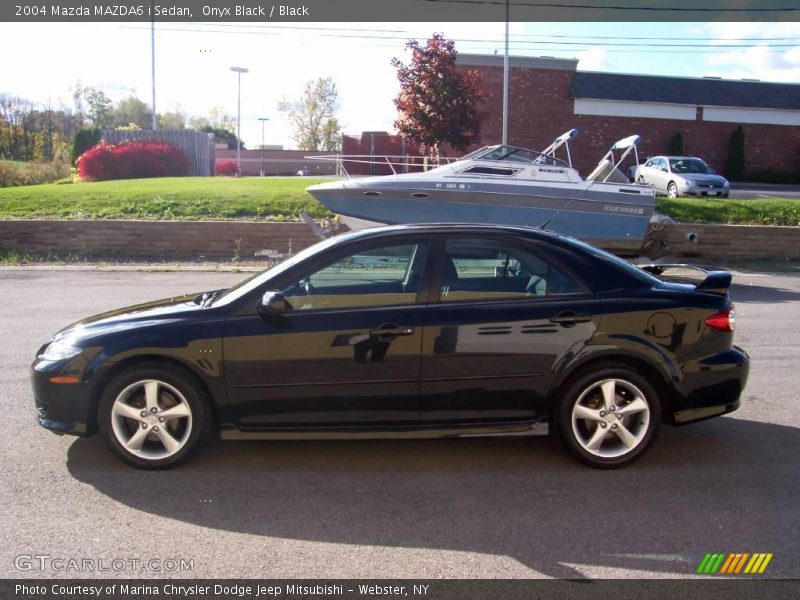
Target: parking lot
417,509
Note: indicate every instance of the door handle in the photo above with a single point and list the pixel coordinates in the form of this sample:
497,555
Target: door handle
569,318
391,331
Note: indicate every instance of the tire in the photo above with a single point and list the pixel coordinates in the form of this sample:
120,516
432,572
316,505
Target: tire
154,416
587,409
672,190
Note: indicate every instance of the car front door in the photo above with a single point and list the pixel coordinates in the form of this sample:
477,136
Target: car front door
503,317
345,351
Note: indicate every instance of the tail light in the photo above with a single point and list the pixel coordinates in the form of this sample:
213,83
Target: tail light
723,321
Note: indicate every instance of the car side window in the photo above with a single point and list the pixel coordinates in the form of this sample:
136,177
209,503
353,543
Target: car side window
486,269
384,275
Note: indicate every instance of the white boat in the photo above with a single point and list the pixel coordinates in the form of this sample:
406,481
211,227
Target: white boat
504,185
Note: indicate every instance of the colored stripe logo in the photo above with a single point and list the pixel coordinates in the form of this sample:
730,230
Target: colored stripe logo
720,563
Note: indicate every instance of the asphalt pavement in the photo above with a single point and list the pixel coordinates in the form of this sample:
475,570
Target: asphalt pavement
416,509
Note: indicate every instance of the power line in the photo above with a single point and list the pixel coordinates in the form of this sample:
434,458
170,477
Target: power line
543,45
617,7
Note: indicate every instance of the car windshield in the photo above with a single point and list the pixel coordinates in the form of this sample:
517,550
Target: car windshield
248,285
688,165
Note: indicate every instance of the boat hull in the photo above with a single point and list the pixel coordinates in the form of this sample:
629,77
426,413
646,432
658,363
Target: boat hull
588,215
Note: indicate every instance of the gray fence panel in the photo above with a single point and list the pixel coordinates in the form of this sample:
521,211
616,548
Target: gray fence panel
198,146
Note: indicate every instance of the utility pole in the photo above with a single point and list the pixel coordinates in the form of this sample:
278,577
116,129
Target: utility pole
239,71
505,82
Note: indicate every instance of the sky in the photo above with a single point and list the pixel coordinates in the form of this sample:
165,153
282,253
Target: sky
193,60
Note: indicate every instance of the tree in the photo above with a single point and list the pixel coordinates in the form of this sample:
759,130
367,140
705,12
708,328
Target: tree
675,145
100,107
437,103
132,110
734,165
313,116
172,120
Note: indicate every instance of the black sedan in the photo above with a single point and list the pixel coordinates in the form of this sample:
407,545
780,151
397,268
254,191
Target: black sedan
407,331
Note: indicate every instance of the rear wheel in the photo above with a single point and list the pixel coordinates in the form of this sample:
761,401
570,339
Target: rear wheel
608,416
672,190
153,417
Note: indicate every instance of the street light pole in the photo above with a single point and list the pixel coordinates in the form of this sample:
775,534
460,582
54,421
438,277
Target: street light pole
263,120
239,71
153,61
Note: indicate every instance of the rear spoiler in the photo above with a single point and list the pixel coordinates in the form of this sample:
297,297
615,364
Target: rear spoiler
715,282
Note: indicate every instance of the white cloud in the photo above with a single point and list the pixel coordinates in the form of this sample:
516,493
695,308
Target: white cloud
593,59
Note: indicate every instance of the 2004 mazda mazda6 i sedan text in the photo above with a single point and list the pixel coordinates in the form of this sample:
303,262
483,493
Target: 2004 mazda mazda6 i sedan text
408,331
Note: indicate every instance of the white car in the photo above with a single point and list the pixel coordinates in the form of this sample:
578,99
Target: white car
682,176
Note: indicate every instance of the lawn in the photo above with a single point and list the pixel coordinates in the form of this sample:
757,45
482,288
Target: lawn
736,212
282,199
204,198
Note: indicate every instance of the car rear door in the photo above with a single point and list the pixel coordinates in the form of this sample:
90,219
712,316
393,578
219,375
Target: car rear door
347,351
501,317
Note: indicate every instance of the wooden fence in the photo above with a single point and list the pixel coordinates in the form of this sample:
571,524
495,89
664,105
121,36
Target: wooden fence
198,146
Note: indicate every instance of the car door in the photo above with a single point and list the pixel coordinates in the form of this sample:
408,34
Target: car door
502,318
344,353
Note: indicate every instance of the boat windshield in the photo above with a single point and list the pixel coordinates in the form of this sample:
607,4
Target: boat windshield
512,154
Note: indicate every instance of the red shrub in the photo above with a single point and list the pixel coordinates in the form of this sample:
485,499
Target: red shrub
225,167
132,160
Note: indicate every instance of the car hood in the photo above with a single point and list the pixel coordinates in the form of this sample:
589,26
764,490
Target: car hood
139,315
704,178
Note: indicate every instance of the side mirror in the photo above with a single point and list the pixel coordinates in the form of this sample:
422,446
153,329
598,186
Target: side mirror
273,303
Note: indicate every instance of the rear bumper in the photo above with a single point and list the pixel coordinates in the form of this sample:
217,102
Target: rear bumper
711,387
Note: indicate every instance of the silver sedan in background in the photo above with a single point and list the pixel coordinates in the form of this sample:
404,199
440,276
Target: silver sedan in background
682,175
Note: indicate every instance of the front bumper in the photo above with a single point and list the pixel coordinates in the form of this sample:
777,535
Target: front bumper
696,190
63,408
711,387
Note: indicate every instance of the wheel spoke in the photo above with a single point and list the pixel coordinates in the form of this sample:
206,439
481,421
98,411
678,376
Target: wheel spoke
170,443
609,393
584,412
151,395
176,412
596,440
122,409
637,405
137,439
626,436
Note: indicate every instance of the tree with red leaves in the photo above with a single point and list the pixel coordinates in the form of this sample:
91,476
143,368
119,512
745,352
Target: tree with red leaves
438,104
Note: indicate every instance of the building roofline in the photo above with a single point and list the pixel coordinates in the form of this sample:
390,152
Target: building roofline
524,62
683,77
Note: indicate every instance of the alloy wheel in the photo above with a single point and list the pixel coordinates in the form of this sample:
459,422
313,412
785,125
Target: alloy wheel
610,418
151,419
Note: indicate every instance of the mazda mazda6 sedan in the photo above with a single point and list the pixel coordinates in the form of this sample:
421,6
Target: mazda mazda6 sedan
405,331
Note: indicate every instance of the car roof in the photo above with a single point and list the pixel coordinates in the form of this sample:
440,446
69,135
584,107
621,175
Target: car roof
478,228
670,157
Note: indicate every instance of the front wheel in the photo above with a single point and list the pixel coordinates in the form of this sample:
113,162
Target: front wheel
608,416
153,416
672,190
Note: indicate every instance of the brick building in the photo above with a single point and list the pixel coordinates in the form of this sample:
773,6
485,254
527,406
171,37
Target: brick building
547,96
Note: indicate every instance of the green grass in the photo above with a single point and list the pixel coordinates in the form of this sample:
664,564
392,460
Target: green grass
735,212
282,199
178,198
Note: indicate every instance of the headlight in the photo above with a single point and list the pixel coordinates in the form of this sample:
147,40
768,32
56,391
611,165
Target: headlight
688,182
59,351
725,183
